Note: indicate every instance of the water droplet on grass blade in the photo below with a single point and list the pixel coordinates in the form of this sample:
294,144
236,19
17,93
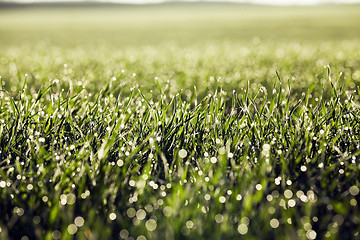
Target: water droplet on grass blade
141,237
222,199
124,234
112,216
72,229
274,223
219,218
56,234
242,229
140,214
182,153
354,190
150,225
311,234
189,224
213,160
79,221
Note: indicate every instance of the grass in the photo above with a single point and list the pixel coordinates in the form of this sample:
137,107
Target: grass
190,134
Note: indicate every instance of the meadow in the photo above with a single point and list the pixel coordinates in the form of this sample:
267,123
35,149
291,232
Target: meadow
179,121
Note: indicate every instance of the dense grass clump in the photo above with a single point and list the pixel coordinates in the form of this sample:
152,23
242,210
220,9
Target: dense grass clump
260,164
235,137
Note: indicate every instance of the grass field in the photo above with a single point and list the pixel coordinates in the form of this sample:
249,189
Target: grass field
180,121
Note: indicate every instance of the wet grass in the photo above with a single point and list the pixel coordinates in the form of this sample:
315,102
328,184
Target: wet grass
249,138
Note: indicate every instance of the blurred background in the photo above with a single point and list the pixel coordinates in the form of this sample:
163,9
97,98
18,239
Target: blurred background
153,22
190,43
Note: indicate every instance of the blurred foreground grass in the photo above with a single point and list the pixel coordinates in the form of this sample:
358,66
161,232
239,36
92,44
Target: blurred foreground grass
180,122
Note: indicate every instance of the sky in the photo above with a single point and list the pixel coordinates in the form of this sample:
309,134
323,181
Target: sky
270,2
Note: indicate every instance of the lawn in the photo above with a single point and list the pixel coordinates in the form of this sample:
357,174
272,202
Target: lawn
179,121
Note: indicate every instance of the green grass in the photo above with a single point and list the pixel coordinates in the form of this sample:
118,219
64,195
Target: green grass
169,122
179,24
